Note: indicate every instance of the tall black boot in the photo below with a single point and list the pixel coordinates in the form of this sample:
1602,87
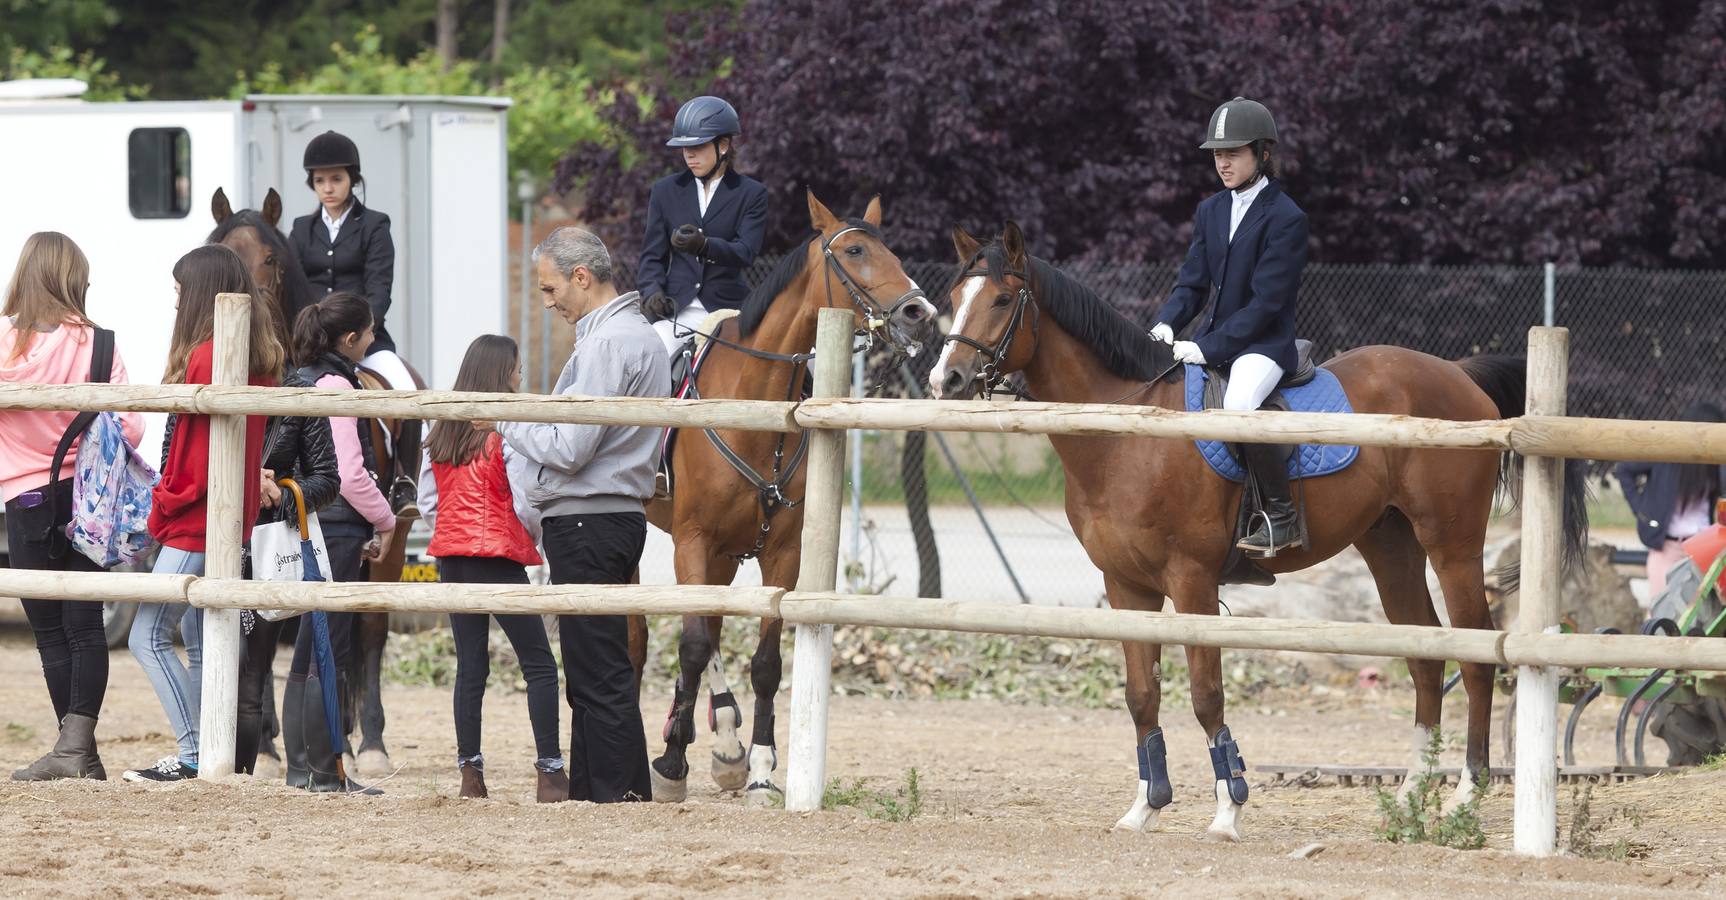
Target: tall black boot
294,731
322,757
404,487
1276,524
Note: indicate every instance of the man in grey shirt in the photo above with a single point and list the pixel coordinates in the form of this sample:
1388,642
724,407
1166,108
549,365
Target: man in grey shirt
590,483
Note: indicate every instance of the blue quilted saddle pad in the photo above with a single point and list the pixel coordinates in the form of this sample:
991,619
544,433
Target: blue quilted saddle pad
1323,394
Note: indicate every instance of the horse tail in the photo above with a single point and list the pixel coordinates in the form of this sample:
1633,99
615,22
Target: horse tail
1504,379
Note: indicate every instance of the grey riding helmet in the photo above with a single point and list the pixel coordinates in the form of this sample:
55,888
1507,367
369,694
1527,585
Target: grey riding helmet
703,120
1238,123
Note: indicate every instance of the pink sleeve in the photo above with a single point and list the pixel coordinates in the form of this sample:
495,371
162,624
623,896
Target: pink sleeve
358,488
131,423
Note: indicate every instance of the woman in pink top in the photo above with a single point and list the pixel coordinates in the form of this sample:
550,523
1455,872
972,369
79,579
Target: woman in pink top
330,339
46,338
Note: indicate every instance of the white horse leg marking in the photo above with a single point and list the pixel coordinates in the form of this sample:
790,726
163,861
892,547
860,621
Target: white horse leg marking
1141,817
729,772
1416,763
1465,791
973,287
763,790
1227,824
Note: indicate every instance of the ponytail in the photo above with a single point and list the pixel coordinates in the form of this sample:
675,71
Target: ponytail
321,326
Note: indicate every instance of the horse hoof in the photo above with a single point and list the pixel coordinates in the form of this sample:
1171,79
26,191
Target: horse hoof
764,795
730,771
373,764
267,768
1139,820
1227,834
666,790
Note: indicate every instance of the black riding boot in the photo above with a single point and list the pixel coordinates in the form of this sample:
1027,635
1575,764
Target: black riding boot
1276,524
294,732
404,490
322,757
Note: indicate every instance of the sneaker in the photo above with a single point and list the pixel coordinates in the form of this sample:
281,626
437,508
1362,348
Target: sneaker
404,498
167,769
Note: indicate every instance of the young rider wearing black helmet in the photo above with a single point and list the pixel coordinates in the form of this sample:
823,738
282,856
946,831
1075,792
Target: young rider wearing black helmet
704,225
1249,245
345,247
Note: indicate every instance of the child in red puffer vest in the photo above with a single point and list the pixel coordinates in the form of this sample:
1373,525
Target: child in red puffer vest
483,533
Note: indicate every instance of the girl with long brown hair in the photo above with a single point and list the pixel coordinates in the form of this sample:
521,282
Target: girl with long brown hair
47,337
484,532
179,503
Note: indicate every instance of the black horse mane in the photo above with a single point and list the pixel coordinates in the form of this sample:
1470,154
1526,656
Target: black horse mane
790,265
1124,348
296,290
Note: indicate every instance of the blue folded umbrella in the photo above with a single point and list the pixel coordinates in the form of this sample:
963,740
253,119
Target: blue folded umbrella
322,652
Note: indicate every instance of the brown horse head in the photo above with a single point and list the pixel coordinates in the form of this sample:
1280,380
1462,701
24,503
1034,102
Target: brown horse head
845,264
256,237
995,316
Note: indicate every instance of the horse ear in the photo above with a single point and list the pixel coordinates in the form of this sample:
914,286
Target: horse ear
219,207
820,217
872,215
272,211
1013,242
965,244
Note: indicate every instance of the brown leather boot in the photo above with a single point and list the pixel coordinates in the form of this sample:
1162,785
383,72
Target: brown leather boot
73,756
553,786
472,783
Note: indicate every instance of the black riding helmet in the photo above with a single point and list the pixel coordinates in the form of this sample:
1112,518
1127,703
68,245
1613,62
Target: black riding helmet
704,120
332,150
1241,123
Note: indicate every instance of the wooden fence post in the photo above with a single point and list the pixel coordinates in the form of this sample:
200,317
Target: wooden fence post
812,657
224,531
1536,825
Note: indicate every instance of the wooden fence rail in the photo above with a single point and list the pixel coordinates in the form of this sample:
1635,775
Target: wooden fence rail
1543,433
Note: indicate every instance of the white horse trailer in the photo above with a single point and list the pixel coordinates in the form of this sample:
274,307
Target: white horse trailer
132,182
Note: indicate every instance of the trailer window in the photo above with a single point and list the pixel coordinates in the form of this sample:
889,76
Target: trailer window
160,166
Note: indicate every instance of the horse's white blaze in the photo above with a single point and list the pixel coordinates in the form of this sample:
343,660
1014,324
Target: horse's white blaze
1141,817
1227,824
1416,764
973,287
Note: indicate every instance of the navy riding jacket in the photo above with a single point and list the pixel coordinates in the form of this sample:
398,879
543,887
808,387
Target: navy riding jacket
361,261
735,221
1255,278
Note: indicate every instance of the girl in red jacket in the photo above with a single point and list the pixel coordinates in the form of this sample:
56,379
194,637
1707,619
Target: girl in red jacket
482,533
177,511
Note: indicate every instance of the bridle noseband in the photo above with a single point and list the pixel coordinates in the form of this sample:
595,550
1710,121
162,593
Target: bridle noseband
876,318
996,356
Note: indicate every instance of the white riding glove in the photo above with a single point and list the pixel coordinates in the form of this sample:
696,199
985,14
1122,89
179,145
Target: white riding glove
1163,333
1189,352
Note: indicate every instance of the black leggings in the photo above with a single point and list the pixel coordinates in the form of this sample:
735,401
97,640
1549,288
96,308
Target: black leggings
257,680
526,634
69,634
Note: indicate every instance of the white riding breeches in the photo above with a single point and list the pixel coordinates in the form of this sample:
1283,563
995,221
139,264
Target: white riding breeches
1252,377
672,334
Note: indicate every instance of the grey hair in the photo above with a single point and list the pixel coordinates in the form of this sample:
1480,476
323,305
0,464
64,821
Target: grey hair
570,247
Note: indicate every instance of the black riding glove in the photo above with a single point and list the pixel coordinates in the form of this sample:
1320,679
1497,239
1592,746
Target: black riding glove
659,307
689,239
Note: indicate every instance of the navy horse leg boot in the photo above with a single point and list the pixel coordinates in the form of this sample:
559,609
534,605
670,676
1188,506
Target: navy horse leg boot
1155,791
1231,772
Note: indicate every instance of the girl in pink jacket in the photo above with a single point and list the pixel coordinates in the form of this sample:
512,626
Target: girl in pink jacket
46,338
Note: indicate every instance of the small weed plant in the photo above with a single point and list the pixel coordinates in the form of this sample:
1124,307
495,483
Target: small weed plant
901,804
1587,833
1420,818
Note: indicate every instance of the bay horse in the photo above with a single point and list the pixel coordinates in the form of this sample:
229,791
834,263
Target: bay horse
256,236
719,515
1159,523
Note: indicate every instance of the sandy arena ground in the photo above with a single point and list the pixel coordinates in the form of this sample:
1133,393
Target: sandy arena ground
1019,801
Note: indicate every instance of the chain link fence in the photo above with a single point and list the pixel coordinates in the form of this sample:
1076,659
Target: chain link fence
972,516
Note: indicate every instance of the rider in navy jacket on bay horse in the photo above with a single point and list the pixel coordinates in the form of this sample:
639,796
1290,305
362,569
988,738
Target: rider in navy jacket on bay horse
1249,246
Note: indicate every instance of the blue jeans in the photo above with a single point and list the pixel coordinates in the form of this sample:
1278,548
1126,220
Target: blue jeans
178,686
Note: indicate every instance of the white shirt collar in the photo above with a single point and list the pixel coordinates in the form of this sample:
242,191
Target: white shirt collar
704,192
335,225
1246,197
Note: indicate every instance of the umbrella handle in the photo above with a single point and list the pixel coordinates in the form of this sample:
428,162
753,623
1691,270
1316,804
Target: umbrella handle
299,507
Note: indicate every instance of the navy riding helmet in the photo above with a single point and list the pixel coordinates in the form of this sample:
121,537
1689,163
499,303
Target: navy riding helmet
702,120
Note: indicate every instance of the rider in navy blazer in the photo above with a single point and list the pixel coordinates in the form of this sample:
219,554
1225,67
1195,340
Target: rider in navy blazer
1249,247
692,261
1255,276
